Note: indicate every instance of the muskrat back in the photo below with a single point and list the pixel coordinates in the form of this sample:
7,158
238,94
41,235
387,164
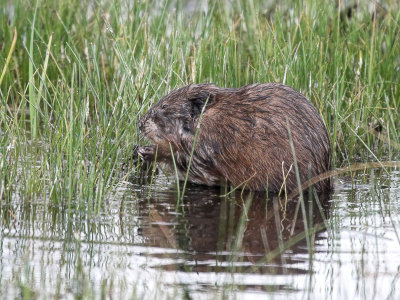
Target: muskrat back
243,137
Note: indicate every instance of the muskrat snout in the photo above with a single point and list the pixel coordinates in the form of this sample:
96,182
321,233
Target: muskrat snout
141,123
144,122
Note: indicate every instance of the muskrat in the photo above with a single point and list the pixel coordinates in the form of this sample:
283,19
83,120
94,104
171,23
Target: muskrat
243,137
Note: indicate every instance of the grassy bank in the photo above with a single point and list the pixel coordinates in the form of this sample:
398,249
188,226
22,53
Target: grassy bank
82,72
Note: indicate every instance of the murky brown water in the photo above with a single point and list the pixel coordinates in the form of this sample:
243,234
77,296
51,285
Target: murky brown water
148,244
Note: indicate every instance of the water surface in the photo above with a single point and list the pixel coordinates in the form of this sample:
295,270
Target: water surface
146,243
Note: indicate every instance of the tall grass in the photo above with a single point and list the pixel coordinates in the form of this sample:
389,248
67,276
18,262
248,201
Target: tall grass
84,71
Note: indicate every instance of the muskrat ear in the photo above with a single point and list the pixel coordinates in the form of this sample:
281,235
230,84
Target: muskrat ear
198,101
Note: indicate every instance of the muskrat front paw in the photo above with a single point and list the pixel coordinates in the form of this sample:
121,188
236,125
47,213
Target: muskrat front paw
147,153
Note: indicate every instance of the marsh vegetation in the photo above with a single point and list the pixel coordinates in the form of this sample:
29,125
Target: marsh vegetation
77,217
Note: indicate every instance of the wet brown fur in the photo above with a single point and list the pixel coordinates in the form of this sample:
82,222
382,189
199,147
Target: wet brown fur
243,136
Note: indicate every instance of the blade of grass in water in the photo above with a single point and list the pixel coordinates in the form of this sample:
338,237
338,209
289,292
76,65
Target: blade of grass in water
9,56
71,141
193,147
32,97
301,196
43,76
176,172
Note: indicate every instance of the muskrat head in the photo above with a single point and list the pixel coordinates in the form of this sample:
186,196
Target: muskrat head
174,117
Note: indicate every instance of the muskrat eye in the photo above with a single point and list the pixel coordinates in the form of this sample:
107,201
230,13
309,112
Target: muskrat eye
164,105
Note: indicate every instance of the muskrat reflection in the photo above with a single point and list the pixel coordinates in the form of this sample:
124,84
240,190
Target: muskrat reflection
246,226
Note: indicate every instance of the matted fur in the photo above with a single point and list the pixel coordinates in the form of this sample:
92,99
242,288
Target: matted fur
243,136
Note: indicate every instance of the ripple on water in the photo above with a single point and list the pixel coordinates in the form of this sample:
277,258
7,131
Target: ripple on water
148,243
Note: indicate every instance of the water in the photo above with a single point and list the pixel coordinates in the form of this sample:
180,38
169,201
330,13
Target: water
146,244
